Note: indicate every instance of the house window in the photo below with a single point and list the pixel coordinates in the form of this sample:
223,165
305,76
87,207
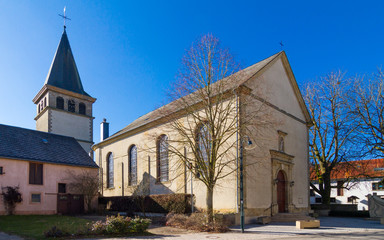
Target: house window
340,188
36,173
162,158
132,165
317,200
378,186
62,188
204,143
1,171
71,106
36,197
332,200
82,108
110,172
60,103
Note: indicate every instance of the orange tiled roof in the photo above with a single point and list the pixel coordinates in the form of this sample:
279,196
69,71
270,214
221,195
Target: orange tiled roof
355,169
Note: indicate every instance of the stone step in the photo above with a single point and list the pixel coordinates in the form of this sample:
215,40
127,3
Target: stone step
289,217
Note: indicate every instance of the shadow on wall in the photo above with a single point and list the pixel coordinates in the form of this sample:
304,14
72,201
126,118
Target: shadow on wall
149,185
143,201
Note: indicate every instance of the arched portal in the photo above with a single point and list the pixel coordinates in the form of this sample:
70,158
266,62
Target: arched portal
281,191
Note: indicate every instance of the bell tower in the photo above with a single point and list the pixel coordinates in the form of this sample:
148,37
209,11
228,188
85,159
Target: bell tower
62,105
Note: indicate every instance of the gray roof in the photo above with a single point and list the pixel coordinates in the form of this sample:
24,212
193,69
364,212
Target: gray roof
228,83
31,145
63,72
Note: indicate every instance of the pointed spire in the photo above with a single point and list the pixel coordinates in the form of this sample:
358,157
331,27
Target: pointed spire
63,72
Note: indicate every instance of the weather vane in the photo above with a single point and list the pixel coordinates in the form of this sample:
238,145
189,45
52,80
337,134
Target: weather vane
64,17
281,45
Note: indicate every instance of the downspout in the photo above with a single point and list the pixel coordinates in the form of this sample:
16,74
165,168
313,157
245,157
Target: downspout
237,151
308,176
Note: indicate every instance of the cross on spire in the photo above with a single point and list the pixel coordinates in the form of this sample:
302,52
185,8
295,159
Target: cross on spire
64,17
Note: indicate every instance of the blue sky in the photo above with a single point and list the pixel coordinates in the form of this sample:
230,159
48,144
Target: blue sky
128,52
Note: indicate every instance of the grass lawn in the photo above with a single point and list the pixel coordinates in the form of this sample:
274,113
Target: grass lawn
34,226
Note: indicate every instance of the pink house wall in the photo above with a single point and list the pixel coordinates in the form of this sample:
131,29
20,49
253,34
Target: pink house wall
16,173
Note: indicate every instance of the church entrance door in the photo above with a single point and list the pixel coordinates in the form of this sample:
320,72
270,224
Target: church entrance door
281,192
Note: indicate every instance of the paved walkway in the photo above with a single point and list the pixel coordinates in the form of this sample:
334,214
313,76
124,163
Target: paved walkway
331,228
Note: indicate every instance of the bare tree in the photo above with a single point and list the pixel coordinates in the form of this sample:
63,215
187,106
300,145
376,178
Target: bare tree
332,130
86,183
368,106
207,113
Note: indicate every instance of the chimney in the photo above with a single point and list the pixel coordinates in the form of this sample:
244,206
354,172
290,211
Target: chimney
104,130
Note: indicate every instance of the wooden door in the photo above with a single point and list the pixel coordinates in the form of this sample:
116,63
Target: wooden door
281,192
70,204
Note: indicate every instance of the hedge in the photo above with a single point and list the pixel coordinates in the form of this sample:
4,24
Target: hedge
162,203
361,214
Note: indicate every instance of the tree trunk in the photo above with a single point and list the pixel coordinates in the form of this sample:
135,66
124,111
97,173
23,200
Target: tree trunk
209,202
326,195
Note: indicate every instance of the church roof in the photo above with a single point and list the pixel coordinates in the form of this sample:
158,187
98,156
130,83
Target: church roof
232,82
30,145
227,83
63,72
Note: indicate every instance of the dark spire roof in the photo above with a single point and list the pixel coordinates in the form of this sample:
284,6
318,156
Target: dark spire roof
63,72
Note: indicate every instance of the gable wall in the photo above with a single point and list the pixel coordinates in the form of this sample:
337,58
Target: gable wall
285,115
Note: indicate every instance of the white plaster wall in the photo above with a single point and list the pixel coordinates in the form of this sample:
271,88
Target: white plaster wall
42,123
73,125
359,189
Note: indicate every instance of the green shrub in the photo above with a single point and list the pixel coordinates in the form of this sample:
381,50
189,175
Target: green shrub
140,225
118,224
362,214
11,196
98,227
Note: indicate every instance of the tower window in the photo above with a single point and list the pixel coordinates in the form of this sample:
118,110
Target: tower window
71,106
82,108
45,102
60,103
38,108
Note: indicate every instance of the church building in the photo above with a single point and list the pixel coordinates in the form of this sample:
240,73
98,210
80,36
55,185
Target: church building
274,182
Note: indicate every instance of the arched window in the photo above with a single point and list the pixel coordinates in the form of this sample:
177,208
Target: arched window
162,159
110,172
59,103
132,166
82,108
71,106
204,141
